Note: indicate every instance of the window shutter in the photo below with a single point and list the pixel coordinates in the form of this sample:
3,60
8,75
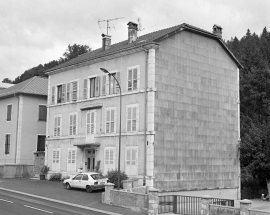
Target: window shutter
138,78
117,85
74,90
88,122
59,126
107,85
69,155
74,124
137,118
53,94
130,80
104,85
107,120
73,156
128,119
97,86
93,130
55,127
85,88
63,93
107,151
113,112
68,92
114,156
135,79
128,156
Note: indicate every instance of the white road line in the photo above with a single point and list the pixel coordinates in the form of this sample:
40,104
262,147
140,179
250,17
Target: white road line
38,209
6,200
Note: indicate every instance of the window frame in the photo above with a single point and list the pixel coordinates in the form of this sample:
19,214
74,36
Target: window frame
40,117
89,124
9,114
73,126
110,121
132,79
41,135
137,117
72,99
56,127
7,143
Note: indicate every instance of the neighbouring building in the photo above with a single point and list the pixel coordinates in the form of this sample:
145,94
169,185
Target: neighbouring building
180,111
23,122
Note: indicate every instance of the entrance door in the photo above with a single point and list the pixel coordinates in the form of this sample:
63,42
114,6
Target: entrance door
90,159
131,160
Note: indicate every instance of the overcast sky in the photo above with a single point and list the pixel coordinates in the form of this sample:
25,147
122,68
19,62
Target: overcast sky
34,32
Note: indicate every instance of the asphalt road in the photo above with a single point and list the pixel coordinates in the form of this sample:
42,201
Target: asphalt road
15,204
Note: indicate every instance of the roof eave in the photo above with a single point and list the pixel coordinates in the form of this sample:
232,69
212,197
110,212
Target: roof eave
136,45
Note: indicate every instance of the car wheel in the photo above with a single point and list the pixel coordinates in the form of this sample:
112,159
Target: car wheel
68,186
88,189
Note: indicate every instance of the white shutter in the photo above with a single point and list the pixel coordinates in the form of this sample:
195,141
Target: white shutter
138,78
107,121
75,124
88,122
104,77
70,124
85,88
74,90
55,127
137,118
131,160
92,122
59,123
107,85
97,86
128,117
109,159
71,159
112,121
118,79
135,79
129,84
56,159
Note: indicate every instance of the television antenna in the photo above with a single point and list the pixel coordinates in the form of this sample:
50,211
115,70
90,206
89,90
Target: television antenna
108,23
140,28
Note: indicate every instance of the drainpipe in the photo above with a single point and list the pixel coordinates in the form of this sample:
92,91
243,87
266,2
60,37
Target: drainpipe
17,125
145,114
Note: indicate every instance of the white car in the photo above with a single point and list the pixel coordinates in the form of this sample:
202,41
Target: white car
86,180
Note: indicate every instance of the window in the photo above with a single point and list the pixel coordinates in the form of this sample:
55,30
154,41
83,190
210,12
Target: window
59,94
9,109
133,79
109,84
73,124
57,126
71,159
42,114
109,158
7,144
68,92
56,159
74,90
78,177
91,87
132,116
85,178
91,122
110,117
41,143
131,160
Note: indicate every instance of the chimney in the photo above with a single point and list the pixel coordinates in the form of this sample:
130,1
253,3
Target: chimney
132,32
217,30
106,42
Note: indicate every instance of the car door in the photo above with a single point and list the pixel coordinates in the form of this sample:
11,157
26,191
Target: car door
84,181
76,181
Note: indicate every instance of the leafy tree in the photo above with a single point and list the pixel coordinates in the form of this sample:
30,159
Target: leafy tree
7,80
74,51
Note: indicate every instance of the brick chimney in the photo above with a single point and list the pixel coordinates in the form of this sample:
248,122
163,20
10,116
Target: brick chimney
132,32
217,30
106,42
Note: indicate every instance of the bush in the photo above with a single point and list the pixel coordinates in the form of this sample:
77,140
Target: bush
55,177
65,177
112,175
44,170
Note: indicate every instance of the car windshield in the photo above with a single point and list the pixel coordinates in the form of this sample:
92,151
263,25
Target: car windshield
97,176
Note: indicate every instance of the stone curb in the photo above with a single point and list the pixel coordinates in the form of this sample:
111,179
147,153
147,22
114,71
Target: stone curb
61,202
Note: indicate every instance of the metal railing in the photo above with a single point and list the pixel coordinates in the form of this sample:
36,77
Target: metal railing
187,205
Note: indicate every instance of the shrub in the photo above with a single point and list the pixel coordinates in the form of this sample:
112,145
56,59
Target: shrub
97,167
44,170
65,177
55,177
112,175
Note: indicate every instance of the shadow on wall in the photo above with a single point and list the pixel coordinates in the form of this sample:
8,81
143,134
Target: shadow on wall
16,171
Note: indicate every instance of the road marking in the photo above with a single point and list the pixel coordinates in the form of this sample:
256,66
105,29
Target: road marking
6,200
38,209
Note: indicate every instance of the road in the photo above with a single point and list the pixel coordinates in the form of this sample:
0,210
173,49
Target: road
16,204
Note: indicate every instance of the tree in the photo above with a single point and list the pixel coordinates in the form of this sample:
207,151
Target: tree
7,80
74,51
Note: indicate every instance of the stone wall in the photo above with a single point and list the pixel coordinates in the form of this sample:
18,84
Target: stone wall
223,210
16,171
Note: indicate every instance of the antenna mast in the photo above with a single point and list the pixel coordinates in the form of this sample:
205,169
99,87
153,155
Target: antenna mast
108,22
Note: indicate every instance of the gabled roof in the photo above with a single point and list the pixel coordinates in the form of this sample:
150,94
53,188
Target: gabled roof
33,86
153,37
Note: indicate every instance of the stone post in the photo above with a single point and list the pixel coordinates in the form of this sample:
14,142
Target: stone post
153,201
244,206
106,195
205,201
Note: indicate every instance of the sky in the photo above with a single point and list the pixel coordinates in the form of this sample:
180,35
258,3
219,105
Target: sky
34,32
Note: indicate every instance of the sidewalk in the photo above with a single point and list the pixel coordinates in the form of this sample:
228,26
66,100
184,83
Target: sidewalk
56,191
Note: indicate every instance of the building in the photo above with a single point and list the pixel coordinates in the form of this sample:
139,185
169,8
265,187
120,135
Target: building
180,111
23,122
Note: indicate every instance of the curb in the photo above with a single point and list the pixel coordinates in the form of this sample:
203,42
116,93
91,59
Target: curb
61,202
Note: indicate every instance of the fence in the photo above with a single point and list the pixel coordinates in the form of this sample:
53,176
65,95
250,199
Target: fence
187,205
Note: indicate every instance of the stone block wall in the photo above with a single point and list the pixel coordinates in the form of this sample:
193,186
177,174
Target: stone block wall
16,171
196,115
